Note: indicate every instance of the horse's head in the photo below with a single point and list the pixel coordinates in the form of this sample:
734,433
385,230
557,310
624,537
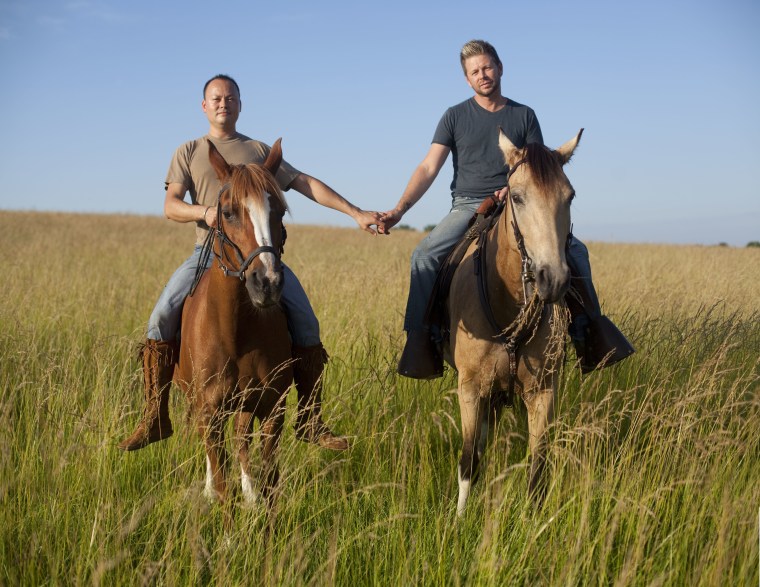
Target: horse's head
540,196
249,223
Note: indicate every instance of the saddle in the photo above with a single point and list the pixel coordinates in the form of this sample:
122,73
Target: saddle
436,313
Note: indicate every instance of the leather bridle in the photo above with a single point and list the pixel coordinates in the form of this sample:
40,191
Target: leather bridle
223,258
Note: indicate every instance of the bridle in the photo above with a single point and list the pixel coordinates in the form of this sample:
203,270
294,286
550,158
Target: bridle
223,258
532,309
527,276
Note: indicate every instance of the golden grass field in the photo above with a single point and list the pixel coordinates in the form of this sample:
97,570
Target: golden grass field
654,463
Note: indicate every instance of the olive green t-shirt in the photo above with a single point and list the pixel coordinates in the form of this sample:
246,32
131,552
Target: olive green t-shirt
191,168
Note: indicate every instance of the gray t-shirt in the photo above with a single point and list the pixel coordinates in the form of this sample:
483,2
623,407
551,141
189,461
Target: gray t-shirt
472,134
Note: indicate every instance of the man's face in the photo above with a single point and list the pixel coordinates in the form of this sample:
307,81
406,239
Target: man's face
483,75
222,103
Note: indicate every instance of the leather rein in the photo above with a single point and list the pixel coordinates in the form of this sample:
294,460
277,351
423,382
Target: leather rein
224,259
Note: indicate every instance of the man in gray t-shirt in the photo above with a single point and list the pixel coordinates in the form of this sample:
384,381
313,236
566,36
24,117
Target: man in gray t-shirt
469,131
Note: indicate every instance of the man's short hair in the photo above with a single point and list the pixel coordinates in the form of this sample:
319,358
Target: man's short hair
224,77
477,47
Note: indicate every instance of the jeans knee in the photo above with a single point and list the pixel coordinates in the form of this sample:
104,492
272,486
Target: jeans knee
423,257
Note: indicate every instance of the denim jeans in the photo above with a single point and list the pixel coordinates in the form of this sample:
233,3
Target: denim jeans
433,249
165,320
580,267
430,253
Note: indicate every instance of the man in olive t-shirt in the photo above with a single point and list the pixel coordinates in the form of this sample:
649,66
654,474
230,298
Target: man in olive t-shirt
191,172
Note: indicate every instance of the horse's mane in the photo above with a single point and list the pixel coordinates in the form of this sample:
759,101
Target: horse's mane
545,164
255,180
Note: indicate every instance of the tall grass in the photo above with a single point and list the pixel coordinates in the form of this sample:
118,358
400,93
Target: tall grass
654,475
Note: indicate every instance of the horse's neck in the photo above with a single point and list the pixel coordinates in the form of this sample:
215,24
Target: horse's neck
504,270
227,296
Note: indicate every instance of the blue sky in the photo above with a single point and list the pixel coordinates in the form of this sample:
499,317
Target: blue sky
98,94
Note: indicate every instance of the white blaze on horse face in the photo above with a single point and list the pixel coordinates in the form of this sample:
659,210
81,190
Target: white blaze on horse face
260,219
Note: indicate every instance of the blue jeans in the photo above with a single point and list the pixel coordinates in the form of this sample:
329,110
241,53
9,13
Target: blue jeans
580,267
165,320
430,253
433,249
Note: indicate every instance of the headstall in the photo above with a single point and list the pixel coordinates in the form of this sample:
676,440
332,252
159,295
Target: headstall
225,262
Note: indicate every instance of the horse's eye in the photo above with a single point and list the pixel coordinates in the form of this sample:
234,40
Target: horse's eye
517,198
571,198
227,214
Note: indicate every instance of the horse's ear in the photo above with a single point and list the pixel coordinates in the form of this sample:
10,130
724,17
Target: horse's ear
566,151
274,158
222,168
511,153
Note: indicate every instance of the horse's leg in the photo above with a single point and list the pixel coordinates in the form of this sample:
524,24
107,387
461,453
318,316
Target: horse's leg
489,414
540,408
470,408
485,424
211,429
243,436
271,431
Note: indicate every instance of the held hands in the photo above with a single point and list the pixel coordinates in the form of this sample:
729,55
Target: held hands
366,220
388,220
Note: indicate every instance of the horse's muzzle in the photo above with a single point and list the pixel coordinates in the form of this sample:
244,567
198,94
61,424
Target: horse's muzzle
552,283
264,286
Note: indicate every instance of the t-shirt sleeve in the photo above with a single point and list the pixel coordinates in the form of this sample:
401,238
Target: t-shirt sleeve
534,129
285,175
179,168
444,132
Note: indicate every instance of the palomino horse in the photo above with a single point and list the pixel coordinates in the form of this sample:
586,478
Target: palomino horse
235,350
506,333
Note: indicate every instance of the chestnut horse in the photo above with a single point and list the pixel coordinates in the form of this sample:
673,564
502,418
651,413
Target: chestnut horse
235,349
507,317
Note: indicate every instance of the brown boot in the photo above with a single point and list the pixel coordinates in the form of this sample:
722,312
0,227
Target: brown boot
308,366
158,359
420,358
598,342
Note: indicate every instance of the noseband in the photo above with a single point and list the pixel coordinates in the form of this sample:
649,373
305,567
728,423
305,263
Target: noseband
222,256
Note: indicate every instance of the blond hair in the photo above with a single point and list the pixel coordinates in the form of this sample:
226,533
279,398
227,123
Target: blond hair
478,47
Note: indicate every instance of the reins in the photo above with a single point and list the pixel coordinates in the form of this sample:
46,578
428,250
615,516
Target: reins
225,262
